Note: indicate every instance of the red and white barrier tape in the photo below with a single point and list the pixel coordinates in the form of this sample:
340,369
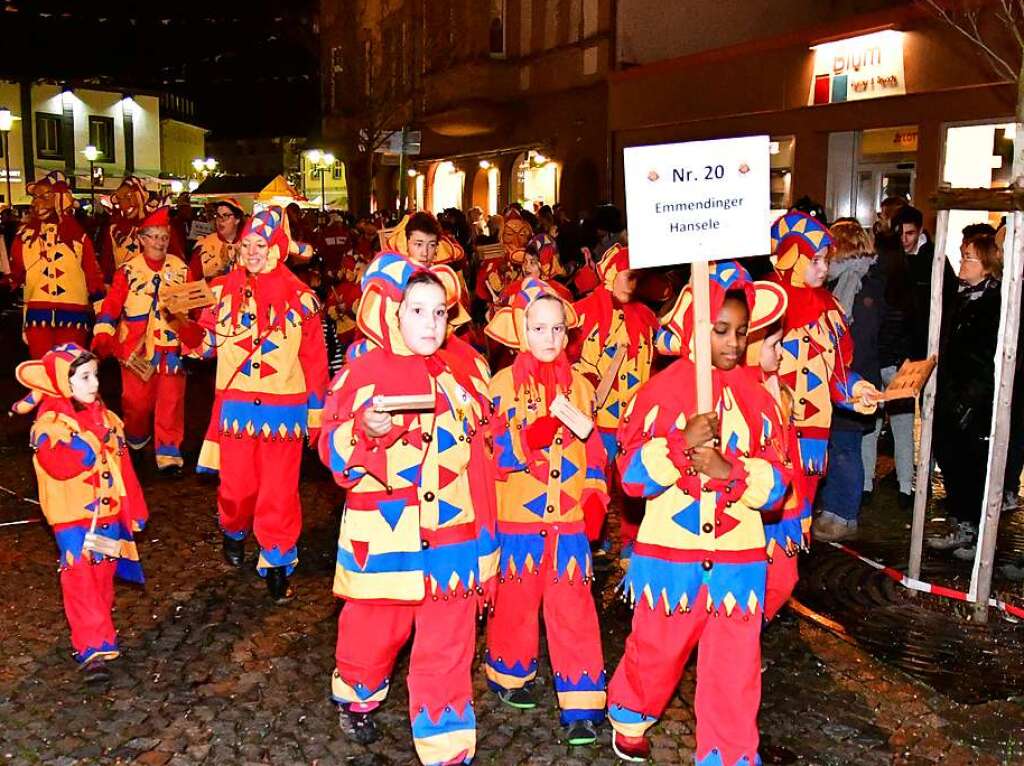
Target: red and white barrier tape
927,587
14,494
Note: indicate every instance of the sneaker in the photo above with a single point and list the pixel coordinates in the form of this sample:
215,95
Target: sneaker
521,698
358,727
905,501
963,534
830,528
581,733
95,672
966,552
632,749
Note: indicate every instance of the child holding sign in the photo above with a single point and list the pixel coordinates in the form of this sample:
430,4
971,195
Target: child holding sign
417,542
697,575
553,480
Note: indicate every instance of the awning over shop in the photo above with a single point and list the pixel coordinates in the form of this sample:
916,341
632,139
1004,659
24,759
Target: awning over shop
248,190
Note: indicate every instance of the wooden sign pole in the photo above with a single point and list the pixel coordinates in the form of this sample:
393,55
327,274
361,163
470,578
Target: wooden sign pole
699,276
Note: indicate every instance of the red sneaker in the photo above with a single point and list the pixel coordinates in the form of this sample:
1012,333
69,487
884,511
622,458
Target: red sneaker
632,749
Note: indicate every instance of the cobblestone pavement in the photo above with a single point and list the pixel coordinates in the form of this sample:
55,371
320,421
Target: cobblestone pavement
212,672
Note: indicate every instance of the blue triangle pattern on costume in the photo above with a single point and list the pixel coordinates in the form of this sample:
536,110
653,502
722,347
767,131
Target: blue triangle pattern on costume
734,442
631,380
391,510
267,346
613,408
813,381
669,580
610,352
246,368
445,440
569,469
792,347
516,548
411,474
740,580
446,512
573,546
689,517
537,505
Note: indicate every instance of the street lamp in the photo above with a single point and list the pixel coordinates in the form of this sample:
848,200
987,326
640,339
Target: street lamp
198,164
210,164
92,154
321,162
6,123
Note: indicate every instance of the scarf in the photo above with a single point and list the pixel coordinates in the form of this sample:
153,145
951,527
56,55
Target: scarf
848,276
554,376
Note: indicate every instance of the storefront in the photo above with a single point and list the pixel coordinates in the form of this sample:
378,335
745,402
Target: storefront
891,105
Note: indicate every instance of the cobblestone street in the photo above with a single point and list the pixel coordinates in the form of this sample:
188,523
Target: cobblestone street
212,672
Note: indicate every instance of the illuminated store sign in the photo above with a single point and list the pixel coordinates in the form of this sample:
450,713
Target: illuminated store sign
857,68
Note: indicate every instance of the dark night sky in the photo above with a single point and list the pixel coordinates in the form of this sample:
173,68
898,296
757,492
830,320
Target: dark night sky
252,66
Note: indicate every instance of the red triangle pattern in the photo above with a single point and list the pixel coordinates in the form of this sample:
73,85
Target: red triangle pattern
361,551
266,370
724,524
445,476
810,410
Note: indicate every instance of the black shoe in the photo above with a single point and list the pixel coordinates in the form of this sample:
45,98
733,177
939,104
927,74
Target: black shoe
521,698
95,672
358,727
234,551
581,733
171,471
866,497
905,501
277,585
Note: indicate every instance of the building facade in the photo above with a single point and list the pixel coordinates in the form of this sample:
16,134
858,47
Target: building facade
54,123
873,99
509,98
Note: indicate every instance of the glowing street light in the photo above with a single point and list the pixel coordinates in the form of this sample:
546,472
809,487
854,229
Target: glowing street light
92,154
198,164
6,123
322,162
210,164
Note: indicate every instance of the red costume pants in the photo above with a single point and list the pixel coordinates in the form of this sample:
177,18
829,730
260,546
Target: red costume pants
155,406
728,677
259,492
574,639
440,668
41,339
88,591
782,578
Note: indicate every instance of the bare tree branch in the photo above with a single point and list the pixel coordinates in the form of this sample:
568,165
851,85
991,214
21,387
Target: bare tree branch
973,33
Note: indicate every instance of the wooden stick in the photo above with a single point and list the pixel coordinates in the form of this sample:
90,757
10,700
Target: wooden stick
699,275
924,458
999,438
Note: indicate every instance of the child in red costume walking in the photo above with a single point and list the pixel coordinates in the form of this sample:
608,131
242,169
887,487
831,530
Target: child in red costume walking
697,574
550,475
417,542
87,489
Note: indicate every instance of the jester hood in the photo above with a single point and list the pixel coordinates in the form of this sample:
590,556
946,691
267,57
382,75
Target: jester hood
796,239
765,300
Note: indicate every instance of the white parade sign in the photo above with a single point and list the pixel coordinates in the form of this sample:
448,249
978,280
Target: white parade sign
698,201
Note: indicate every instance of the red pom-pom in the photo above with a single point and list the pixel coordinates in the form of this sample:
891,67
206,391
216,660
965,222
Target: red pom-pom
541,432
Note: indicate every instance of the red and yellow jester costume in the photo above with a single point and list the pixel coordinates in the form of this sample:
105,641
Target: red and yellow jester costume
53,258
548,477
120,240
212,255
83,470
605,326
697,574
265,331
817,350
543,248
131,321
417,541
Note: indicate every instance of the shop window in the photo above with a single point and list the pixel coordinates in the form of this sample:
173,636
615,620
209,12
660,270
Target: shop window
975,156
534,180
448,187
49,136
101,135
496,29
782,150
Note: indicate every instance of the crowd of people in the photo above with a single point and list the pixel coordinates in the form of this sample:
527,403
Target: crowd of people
482,388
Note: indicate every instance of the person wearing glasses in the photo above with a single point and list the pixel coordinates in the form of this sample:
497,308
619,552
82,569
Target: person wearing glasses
215,253
134,328
965,388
